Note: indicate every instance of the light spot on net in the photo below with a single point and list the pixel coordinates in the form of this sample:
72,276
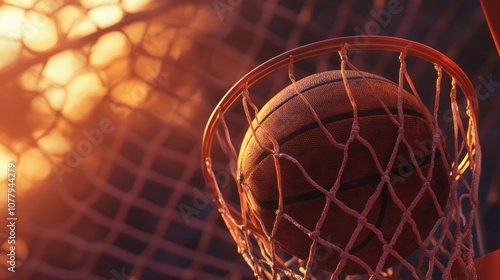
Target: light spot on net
135,31
11,27
82,28
4,155
117,71
11,22
40,32
108,48
54,143
10,50
179,46
106,16
29,78
131,92
56,97
89,4
73,21
167,42
84,92
61,68
133,6
21,3
41,106
33,166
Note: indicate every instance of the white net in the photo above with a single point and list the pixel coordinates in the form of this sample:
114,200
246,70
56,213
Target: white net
353,194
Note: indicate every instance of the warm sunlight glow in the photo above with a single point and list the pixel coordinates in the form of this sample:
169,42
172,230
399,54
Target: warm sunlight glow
19,146
108,48
197,18
83,93
40,33
11,22
133,6
166,38
68,16
48,7
50,102
147,68
41,106
5,157
54,144
10,50
106,16
74,80
29,78
63,66
56,97
117,71
135,31
60,127
180,45
73,21
131,92
11,29
21,3
96,3
32,166
158,39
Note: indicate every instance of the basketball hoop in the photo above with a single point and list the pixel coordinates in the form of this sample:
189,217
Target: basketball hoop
449,242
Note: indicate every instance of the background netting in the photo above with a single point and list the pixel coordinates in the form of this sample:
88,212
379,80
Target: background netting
103,105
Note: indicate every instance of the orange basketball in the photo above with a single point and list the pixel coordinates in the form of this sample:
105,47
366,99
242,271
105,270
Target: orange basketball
288,119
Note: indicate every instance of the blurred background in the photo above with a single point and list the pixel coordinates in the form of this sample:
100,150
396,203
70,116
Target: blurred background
103,105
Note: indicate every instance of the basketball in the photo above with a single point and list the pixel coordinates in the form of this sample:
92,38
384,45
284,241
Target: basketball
308,159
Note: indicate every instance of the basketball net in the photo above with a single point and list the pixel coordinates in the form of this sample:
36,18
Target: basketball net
450,245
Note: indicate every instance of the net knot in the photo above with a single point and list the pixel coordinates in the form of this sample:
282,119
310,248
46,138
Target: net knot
314,234
362,220
332,194
407,215
386,178
355,129
426,185
344,255
387,248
